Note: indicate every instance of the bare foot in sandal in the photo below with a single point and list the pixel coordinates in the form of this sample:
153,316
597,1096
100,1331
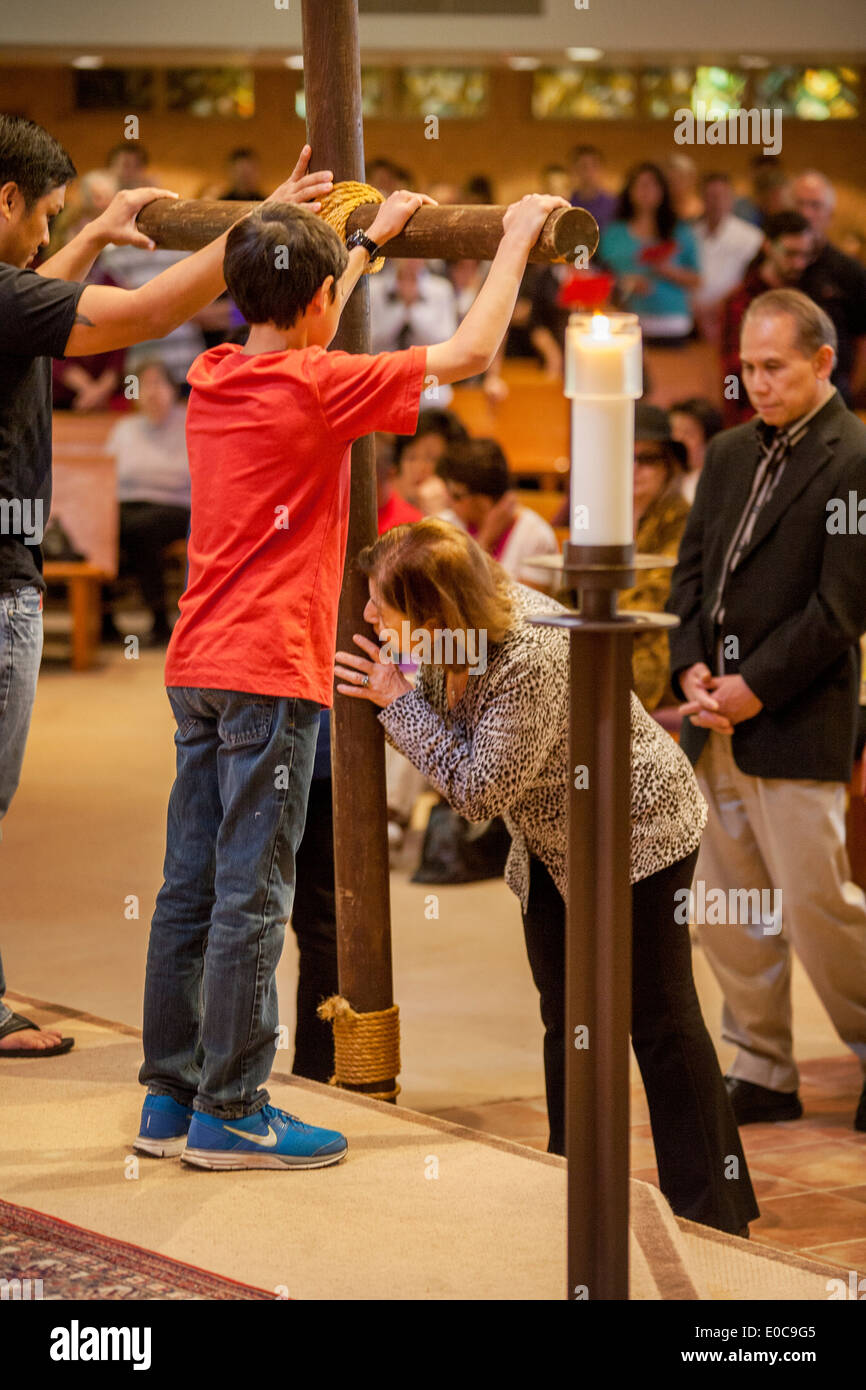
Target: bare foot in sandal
21,1037
35,1038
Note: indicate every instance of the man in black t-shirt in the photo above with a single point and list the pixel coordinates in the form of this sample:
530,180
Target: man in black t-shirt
49,313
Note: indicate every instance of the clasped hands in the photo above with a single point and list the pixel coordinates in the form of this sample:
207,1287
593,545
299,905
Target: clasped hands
717,702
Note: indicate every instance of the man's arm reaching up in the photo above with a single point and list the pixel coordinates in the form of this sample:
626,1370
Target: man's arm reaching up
110,318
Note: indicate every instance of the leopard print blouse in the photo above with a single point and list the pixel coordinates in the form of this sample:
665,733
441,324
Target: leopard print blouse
503,751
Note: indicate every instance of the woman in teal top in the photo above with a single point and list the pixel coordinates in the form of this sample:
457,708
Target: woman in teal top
654,257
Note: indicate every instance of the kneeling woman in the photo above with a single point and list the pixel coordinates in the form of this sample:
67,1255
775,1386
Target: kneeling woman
492,738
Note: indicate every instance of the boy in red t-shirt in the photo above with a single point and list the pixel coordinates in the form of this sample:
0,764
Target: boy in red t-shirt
269,431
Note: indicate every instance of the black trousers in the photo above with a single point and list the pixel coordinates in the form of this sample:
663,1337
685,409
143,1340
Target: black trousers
694,1132
314,921
146,528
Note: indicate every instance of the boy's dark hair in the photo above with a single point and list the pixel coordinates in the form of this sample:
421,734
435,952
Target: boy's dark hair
272,288
32,159
786,223
443,422
242,152
125,147
479,464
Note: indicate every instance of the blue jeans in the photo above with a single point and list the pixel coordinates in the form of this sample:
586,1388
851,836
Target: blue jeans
235,820
20,655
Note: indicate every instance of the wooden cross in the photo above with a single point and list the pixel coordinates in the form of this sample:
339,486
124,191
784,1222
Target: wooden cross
332,81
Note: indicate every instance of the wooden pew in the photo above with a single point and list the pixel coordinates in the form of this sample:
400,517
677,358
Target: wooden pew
531,423
84,501
676,374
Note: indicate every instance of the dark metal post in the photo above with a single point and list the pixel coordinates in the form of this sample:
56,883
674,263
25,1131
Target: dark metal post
598,914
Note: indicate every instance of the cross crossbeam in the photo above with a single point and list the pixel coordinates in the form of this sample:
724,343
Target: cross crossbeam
446,233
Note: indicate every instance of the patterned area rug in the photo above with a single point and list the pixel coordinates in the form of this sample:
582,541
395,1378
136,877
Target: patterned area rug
64,1262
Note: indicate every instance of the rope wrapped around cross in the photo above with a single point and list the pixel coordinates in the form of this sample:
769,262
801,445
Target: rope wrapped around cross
338,206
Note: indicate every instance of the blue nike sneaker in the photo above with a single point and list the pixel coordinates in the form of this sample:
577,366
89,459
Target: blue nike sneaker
268,1139
164,1126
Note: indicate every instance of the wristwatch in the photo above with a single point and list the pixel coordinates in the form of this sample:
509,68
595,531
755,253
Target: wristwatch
361,239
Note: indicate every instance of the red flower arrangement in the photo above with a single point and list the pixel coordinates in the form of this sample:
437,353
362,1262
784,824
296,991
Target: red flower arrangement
586,289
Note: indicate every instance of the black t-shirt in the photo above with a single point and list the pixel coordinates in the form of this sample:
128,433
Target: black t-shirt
36,317
838,284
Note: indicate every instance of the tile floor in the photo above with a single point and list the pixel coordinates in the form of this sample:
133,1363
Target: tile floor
809,1175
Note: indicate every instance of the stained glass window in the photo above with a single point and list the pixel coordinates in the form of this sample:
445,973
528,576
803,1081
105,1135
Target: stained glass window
718,90
210,91
665,90
374,94
810,94
441,91
113,89
590,94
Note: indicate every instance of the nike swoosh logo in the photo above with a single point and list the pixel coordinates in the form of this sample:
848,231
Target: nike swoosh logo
267,1141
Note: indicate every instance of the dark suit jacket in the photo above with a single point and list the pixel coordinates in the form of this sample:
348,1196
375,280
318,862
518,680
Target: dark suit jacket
796,602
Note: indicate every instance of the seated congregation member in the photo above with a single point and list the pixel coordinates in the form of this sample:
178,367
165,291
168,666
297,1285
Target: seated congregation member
416,457
487,723
391,508
90,383
94,382
770,192
693,423
654,256
482,501
412,306
832,279
726,247
152,488
681,174
586,174
660,513
251,658
778,265
770,591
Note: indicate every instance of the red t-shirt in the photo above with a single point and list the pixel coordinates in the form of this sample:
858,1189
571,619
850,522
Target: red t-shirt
396,512
269,438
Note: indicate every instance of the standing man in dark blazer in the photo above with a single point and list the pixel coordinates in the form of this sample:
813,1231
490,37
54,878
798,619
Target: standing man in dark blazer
770,589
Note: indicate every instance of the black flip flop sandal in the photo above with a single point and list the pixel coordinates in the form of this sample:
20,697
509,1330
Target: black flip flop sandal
16,1024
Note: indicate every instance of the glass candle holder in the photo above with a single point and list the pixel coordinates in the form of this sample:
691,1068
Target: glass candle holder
603,379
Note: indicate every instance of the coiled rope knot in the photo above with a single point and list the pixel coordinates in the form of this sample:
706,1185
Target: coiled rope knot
338,206
366,1046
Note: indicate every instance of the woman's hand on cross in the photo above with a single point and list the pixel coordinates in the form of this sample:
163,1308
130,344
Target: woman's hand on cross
374,677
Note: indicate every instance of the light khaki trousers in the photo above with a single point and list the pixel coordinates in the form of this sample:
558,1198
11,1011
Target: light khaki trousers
770,833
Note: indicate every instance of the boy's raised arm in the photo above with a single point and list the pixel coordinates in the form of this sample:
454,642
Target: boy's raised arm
389,221
472,349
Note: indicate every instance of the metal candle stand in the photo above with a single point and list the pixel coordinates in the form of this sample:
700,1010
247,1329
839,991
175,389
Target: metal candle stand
598,909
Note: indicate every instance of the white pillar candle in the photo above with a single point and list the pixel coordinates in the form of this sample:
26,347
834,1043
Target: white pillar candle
603,378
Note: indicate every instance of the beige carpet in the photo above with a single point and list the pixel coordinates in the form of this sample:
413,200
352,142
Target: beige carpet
421,1209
